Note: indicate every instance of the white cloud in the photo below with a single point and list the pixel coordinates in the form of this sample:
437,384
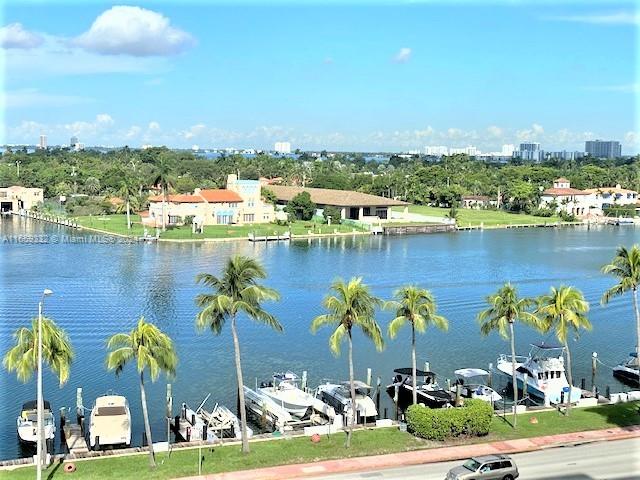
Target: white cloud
495,131
604,18
530,134
153,126
15,36
125,30
632,139
133,131
104,119
55,57
403,55
31,97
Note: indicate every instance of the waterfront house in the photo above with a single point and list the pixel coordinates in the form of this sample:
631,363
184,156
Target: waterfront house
602,198
561,197
352,205
16,198
240,203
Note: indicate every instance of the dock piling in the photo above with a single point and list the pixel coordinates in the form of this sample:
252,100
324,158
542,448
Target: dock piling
368,376
594,365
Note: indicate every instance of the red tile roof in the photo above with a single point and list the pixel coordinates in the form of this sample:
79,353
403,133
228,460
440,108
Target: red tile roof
220,196
563,192
561,180
179,199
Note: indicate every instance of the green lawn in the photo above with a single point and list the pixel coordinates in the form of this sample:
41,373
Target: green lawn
490,218
118,224
302,450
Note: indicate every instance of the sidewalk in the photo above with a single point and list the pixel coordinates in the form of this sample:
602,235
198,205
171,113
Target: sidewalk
418,457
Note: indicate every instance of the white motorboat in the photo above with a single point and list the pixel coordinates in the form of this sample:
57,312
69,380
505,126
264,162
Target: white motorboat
628,371
339,397
263,408
110,422
428,392
473,385
284,391
27,422
543,371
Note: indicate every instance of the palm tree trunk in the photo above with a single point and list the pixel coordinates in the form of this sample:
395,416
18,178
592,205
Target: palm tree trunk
147,427
637,312
128,215
353,392
514,380
243,410
413,364
569,379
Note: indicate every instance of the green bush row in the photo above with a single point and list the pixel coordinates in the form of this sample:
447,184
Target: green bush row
471,420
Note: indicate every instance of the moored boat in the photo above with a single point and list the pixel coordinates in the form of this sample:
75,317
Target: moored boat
110,422
27,422
338,396
542,371
628,371
473,385
284,391
428,392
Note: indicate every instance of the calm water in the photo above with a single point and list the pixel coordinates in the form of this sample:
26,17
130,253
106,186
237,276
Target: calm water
103,289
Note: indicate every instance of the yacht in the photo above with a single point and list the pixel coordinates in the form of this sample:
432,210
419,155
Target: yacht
338,396
544,372
429,393
473,385
284,391
110,422
27,422
627,371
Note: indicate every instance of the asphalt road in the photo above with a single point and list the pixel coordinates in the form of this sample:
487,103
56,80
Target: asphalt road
618,460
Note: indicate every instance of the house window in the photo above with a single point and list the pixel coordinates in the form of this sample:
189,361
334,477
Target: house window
366,211
381,213
223,219
248,217
174,219
233,204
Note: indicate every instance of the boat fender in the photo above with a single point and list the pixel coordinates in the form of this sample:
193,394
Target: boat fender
69,467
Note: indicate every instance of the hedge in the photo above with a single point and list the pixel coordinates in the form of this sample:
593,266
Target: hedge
471,420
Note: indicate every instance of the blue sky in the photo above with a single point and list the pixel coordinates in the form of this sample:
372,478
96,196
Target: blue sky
342,77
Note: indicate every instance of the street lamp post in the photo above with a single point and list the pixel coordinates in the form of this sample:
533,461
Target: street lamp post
41,447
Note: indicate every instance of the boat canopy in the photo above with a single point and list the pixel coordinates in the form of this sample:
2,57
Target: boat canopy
409,371
33,405
471,372
547,346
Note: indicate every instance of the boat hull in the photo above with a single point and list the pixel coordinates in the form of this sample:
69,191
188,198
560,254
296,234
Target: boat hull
298,409
431,399
627,375
539,394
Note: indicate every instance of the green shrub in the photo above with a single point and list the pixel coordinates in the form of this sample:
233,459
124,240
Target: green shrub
542,212
471,420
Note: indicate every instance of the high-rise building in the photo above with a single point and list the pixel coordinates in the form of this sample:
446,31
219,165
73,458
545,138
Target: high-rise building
603,148
282,147
507,150
73,142
436,151
529,151
43,142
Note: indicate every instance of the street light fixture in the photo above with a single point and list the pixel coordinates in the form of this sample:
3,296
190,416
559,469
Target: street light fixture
41,447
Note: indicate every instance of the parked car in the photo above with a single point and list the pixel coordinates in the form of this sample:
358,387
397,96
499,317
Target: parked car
486,467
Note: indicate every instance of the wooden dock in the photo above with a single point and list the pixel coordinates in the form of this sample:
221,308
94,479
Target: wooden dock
418,228
269,238
76,442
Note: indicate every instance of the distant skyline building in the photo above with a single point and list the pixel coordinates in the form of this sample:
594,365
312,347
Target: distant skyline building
436,151
507,150
43,142
282,147
530,151
603,148
73,141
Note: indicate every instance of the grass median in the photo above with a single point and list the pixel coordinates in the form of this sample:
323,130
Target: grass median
489,218
302,450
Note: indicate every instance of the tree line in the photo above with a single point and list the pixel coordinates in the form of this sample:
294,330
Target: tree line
350,305
420,180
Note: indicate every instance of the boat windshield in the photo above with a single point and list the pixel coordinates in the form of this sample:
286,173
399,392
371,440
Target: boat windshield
472,465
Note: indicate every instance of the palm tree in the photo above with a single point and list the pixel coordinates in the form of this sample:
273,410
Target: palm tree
506,308
151,349
127,190
92,185
164,178
57,351
626,267
236,291
563,310
417,307
350,305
